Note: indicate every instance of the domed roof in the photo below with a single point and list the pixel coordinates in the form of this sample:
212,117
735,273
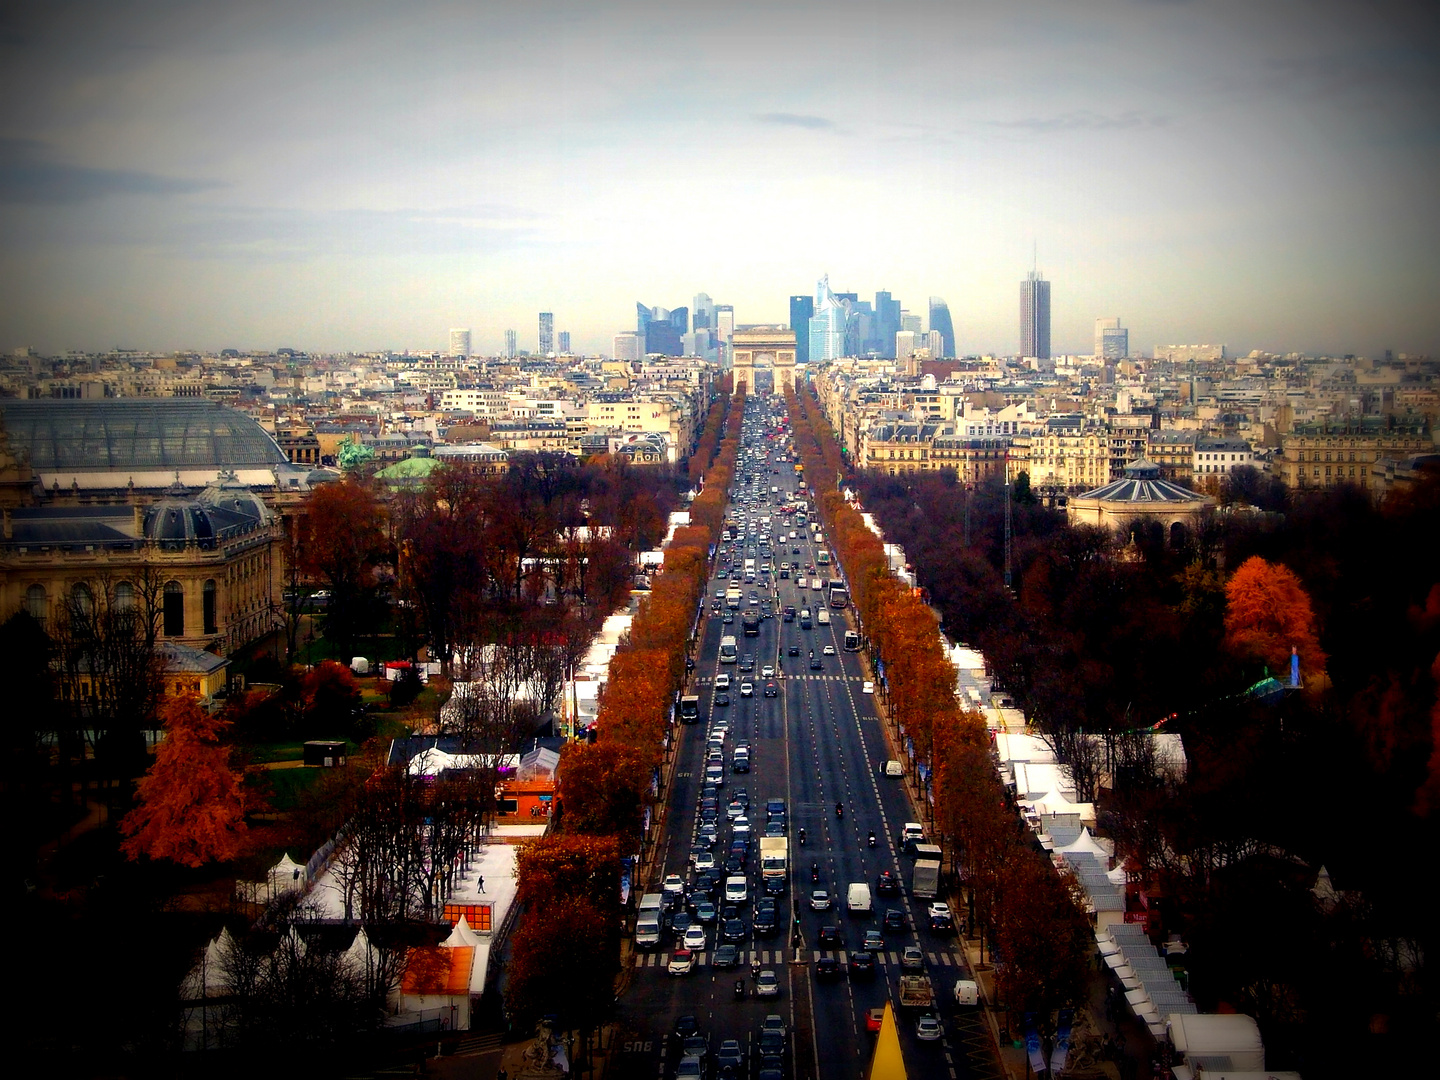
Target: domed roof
179,520
1142,484
230,495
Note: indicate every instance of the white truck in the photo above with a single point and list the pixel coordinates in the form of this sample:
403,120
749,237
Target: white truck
647,923
774,857
857,899
916,992
925,883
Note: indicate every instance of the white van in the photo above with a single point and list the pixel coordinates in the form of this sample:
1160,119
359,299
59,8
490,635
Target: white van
722,681
737,891
967,993
823,616
857,899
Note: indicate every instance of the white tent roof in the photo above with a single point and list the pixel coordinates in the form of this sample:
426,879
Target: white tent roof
461,936
207,978
1086,842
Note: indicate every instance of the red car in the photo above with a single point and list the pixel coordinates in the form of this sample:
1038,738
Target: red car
873,1020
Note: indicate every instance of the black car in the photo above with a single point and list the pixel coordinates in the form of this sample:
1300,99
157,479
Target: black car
828,969
686,1026
732,931
722,698
774,886
830,938
894,919
726,956
771,690
765,917
793,650
888,884
862,964
771,1044
815,664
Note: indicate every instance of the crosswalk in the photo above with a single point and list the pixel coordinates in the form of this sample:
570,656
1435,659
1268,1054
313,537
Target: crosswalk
799,956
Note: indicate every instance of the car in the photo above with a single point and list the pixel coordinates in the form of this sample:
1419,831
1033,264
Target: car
828,650
768,671
733,931
706,834
940,918
771,690
771,1043
673,887
720,726
740,763
766,984
722,698
747,662
894,919
829,938
867,687
735,810
740,826
888,884
695,1044
695,937
873,941
685,1026
682,962
776,1023
747,690
827,968
862,964
690,1068
815,664
728,618
774,886
927,1027
874,1019
774,808
726,956
819,900
775,828
793,650
704,911
730,1055
912,959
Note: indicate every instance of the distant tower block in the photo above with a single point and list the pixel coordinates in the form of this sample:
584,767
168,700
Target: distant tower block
764,347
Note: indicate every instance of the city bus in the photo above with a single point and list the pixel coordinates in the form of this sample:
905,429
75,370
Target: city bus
727,649
839,595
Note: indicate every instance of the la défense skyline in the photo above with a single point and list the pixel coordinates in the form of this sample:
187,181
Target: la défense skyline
335,178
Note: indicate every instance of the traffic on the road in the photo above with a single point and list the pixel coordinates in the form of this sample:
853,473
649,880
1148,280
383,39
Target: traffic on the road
795,895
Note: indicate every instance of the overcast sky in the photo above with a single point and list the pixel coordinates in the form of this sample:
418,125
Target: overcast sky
351,175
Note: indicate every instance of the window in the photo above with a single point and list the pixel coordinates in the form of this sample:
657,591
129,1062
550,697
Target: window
37,604
174,609
81,599
209,606
124,596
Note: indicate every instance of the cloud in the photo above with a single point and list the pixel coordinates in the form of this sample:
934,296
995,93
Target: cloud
1083,120
800,120
25,177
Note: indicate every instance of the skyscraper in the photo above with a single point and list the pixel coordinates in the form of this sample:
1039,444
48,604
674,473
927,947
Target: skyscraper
1035,316
827,325
801,308
910,322
547,333
704,316
724,331
1112,341
663,329
459,341
887,324
629,346
510,345
564,342
940,320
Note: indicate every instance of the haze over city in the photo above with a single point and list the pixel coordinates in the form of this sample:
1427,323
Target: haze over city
342,176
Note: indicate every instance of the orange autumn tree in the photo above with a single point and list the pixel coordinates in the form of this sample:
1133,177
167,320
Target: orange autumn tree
1267,613
189,807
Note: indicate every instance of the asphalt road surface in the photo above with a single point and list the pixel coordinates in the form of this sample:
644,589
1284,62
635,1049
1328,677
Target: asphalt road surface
815,744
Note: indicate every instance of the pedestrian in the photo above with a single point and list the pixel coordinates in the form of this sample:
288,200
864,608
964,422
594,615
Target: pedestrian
480,880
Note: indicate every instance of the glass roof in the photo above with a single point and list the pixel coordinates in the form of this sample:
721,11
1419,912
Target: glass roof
136,433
